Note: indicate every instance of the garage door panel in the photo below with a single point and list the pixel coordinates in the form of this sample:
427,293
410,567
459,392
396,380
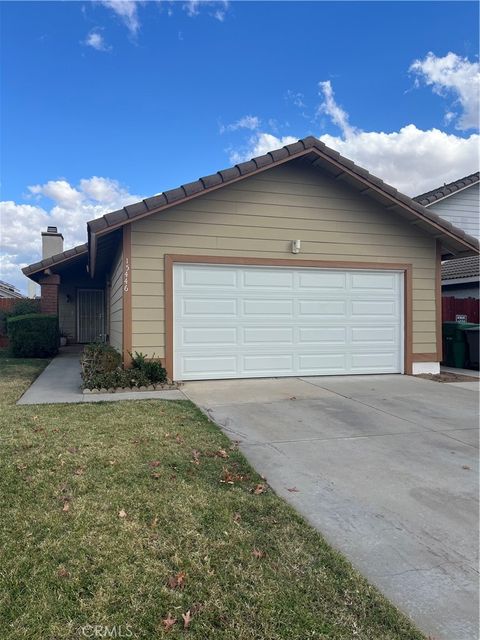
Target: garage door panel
205,307
267,308
377,281
326,362
322,335
268,364
194,277
383,362
209,366
242,321
324,280
268,278
322,308
268,335
374,308
193,336
372,335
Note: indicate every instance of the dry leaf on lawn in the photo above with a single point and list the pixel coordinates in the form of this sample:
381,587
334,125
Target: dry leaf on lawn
196,456
187,618
63,573
256,553
237,517
154,463
168,622
221,453
177,581
122,513
66,506
258,489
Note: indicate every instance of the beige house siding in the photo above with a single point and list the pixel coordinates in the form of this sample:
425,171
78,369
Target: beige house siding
259,217
116,303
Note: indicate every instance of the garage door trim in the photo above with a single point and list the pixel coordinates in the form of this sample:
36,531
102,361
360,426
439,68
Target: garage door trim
170,260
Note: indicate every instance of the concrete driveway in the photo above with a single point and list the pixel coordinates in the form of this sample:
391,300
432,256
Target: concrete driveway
384,466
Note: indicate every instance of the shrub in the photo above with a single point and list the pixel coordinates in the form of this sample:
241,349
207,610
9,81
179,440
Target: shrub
102,369
152,368
118,378
34,335
20,308
98,359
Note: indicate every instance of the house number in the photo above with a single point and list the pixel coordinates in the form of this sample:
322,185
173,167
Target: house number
125,275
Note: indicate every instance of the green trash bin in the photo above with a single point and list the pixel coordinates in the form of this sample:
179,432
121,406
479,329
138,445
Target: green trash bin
454,344
471,334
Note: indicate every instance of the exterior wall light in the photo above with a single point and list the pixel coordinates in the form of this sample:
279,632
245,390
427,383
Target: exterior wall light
296,246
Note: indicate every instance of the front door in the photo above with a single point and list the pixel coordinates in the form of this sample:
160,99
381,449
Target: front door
90,315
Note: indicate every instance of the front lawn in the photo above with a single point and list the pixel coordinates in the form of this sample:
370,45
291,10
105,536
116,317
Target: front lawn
128,515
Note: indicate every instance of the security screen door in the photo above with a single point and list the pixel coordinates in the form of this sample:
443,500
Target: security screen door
90,315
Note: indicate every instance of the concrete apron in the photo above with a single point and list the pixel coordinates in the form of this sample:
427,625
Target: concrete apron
384,466
60,382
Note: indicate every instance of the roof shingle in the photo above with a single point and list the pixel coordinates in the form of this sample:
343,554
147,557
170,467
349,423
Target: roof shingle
447,189
461,268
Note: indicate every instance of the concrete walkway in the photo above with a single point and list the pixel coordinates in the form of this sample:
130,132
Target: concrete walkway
60,382
386,467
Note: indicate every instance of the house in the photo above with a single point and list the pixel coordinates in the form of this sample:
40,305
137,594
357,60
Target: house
459,203
297,262
9,291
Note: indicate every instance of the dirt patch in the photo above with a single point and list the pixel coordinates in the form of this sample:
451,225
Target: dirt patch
447,376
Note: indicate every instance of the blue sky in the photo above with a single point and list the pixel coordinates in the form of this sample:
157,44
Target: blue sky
104,102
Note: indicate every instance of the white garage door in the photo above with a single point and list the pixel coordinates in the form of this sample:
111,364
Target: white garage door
248,322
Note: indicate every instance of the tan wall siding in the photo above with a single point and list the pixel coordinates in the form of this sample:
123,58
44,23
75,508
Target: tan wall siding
116,302
259,217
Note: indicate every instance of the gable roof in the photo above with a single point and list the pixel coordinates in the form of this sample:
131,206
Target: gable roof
461,268
309,150
59,258
447,190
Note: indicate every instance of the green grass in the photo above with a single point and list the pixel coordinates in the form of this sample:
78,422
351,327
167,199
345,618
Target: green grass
63,567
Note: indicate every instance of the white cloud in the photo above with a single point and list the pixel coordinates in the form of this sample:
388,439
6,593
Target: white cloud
96,40
246,122
332,109
295,98
218,9
258,145
127,11
70,208
452,74
412,160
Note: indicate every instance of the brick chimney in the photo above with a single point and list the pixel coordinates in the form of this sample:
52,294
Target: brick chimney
52,242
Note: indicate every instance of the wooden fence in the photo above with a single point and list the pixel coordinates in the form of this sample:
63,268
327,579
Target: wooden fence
453,307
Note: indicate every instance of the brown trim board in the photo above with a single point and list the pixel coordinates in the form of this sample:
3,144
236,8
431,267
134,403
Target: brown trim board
171,259
127,295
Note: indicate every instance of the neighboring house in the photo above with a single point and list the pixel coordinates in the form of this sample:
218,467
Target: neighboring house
9,290
460,277
297,262
458,203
